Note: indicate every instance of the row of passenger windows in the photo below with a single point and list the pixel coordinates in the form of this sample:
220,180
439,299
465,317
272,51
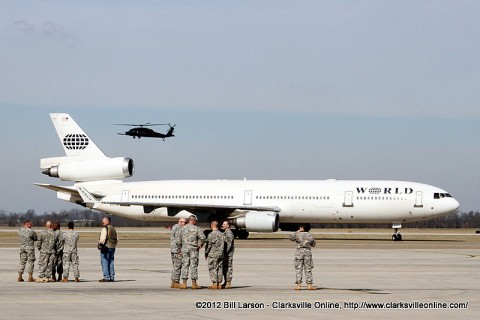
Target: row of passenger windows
178,197
381,198
293,197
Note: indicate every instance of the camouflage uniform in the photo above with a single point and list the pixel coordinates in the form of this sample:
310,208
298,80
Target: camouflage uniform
228,257
192,240
214,254
47,242
70,257
27,249
175,251
303,255
57,266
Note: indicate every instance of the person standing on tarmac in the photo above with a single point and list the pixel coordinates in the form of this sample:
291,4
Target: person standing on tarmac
192,241
47,242
57,266
70,256
214,251
228,257
303,256
27,250
176,252
108,241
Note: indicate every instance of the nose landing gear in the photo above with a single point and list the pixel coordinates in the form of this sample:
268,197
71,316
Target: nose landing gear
397,236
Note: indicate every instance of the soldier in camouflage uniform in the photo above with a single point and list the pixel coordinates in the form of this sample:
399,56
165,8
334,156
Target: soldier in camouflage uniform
57,266
176,252
214,251
228,256
27,250
70,257
192,241
47,241
303,255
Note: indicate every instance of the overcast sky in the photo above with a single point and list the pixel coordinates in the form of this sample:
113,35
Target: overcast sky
258,89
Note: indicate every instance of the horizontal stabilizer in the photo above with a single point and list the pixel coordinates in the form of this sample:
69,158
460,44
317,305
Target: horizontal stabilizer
71,190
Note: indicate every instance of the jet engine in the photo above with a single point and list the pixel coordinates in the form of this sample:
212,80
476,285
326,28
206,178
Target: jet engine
91,170
259,221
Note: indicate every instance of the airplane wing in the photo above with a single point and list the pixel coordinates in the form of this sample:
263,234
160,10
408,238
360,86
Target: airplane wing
150,206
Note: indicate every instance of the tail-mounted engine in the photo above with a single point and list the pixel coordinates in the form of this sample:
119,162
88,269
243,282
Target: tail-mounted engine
68,169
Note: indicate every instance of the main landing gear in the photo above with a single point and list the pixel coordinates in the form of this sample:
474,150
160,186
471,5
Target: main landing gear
397,236
240,233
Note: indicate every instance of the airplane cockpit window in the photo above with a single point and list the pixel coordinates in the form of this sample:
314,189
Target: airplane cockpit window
437,195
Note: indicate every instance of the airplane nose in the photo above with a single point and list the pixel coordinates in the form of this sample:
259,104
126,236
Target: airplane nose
454,204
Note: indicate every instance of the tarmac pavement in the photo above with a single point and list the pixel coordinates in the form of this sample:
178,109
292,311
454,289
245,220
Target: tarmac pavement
369,279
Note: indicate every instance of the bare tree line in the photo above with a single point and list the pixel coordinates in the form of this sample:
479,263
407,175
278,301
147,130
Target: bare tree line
91,218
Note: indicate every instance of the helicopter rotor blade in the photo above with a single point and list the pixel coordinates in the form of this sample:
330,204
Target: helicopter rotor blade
148,124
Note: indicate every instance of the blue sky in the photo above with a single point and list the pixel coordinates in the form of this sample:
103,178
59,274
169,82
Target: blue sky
263,90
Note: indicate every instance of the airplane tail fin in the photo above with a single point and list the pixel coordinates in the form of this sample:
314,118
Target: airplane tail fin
75,141
84,160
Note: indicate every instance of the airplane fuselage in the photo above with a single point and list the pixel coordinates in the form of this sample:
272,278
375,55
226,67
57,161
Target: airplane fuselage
320,201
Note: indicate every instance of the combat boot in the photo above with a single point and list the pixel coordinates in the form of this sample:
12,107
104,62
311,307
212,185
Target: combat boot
195,285
311,287
297,286
219,286
52,279
213,286
172,285
30,277
184,284
40,280
76,279
176,285
228,285
20,279
64,280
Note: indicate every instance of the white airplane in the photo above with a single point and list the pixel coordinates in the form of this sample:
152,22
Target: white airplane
257,205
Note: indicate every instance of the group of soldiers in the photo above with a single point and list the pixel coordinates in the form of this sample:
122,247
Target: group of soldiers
187,239
58,252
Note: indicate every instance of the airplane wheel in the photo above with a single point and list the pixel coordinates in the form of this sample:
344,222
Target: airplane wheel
396,237
242,234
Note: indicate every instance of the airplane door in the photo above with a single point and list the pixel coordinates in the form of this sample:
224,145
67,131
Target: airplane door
248,197
419,199
125,195
348,201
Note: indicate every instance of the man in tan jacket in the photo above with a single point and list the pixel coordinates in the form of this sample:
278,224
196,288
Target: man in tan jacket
107,243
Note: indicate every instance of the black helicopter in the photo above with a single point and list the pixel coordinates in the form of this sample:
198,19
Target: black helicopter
140,130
